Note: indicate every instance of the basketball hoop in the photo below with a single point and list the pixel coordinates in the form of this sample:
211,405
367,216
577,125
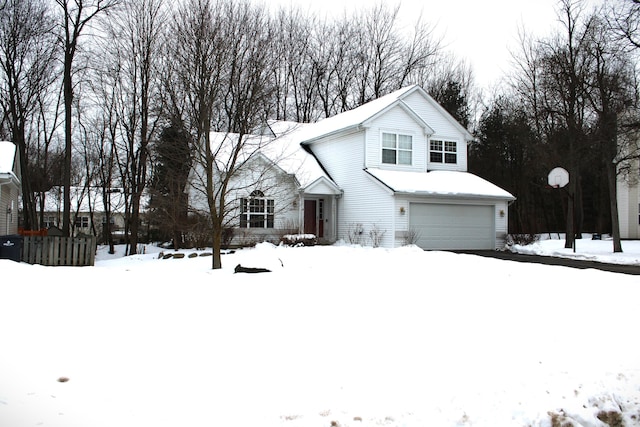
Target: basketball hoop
558,178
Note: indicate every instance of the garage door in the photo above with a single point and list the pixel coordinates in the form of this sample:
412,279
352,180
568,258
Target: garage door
442,226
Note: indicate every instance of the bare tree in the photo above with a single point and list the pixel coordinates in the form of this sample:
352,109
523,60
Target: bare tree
198,55
624,19
554,84
76,15
133,51
27,52
612,95
223,64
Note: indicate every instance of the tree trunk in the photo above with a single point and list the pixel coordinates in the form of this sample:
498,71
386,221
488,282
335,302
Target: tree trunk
217,246
613,204
570,231
66,182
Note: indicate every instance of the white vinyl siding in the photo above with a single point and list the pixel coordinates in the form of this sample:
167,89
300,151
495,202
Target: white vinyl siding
444,130
395,122
628,208
365,201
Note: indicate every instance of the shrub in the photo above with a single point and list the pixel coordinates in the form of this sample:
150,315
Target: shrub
355,233
376,235
299,240
411,237
522,239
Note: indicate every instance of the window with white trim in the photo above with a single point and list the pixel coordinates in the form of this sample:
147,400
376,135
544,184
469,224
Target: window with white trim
443,151
256,211
82,222
49,221
397,149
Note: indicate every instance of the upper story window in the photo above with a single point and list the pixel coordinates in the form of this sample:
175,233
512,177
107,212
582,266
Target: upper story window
397,149
443,152
256,211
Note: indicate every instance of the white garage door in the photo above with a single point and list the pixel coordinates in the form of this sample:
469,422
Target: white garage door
441,226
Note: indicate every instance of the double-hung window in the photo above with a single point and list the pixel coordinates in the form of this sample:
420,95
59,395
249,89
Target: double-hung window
49,221
256,211
397,149
443,152
82,222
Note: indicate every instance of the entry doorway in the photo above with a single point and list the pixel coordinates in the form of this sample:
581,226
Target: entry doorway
314,217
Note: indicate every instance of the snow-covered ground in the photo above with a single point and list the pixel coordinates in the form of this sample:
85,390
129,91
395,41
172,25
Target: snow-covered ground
332,336
585,249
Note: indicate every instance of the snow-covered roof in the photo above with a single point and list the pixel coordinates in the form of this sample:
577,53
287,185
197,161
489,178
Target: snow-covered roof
7,156
282,148
439,183
7,163
360,115
353,118
87,199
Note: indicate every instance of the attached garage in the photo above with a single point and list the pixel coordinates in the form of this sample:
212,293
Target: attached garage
453,226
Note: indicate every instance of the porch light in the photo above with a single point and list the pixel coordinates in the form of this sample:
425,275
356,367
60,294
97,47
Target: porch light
402,210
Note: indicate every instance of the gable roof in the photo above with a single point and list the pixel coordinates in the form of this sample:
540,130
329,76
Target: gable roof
439,183
282,148
362,115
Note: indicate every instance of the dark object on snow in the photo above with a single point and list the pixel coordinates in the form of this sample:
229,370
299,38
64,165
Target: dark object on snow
241,269
11,248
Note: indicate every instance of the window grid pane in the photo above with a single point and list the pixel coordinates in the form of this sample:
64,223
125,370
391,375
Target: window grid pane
450,146
389,156
450,158
404,157
405,142
389,140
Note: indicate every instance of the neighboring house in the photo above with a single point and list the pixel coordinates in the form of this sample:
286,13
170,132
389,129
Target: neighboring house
628,193
87,212
388,173
10,188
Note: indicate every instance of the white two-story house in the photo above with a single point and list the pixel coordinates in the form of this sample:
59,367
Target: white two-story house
388,173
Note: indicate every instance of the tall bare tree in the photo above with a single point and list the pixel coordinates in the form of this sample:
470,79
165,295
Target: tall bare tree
613,94
76,16
27,53
224,66
134,58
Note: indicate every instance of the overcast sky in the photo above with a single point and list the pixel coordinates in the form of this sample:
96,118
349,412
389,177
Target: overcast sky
482,32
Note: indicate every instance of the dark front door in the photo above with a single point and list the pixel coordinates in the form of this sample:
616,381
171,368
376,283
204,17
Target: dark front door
310,217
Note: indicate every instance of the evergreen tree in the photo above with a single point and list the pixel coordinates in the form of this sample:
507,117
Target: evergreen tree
169,199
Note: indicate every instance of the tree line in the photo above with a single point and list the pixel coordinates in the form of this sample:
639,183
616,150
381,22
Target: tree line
571,101
125,94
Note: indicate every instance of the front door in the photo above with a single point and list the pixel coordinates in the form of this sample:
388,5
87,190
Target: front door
310,223
314,217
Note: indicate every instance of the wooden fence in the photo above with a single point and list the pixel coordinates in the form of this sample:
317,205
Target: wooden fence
59,251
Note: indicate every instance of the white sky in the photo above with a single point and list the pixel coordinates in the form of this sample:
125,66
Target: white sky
482,32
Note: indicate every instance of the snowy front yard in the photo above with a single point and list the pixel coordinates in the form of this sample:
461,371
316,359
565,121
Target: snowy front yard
332,336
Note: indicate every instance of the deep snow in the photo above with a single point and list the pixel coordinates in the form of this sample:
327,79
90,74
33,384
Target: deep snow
334,335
